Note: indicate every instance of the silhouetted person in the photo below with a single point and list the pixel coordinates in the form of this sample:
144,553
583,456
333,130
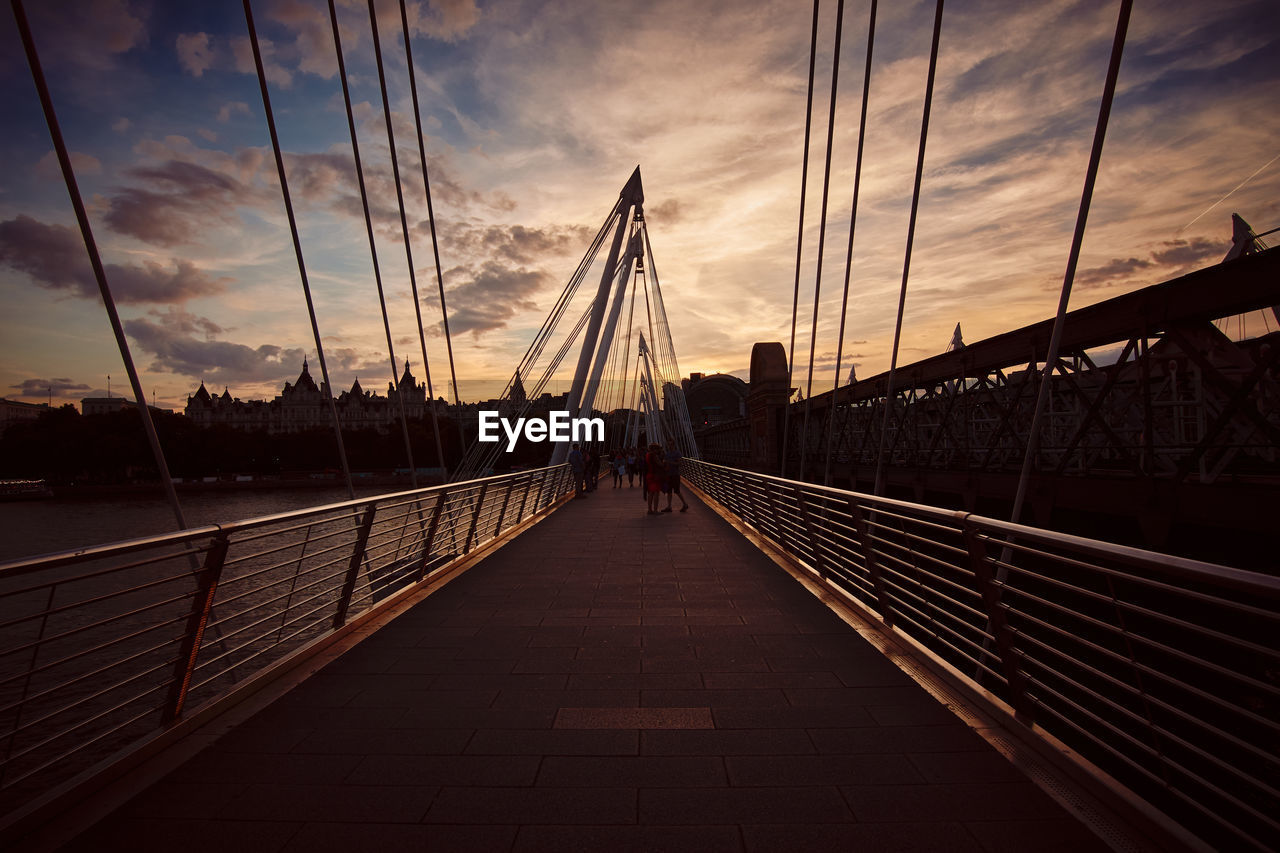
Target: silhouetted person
671,461
632,467
654,477
593,469
578,466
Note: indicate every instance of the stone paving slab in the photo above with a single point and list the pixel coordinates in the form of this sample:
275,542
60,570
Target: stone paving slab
609,680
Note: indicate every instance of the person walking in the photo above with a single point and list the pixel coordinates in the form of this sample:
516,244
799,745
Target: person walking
640,471
671,463
632,467
578,466
618,466
654,477
593,469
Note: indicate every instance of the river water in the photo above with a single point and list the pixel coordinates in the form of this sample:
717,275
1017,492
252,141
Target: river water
58,524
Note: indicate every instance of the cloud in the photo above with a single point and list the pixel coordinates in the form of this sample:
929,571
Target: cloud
89,34
1182,253
1106,275
447,20
492,296
232,108
188,349
185,198
195,52
517,244
82,164
43,387
54,257
121,124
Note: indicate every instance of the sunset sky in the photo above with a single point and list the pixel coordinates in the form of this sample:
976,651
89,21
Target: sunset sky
536,113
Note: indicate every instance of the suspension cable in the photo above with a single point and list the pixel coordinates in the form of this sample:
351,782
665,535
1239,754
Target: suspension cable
95,260
804,183
911,233
1091,174
848,258
822,235
404,229
297,245
426,184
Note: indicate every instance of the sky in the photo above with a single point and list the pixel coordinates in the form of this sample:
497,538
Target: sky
534,115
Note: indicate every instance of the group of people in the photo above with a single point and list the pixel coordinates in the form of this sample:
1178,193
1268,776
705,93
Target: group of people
658,470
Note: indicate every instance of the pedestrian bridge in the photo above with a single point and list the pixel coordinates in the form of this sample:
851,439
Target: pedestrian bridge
488,666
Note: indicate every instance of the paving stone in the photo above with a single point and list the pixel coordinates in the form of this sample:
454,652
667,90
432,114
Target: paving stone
954,801
903,739
741,805
801,770
190,836
244,768
1043,836
386,742
539,805
351,803
631,839
444,770
553,742
632,771
331,837
634,718
925,837
726,742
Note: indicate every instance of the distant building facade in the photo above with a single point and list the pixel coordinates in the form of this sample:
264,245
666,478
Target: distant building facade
715,399
16,411
303,405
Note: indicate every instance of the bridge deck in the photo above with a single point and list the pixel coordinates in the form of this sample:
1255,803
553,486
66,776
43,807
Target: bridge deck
609,680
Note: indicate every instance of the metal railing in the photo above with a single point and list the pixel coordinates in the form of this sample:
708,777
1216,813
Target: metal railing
1162,672
103,647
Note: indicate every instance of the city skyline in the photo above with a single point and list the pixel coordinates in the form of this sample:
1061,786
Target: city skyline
534,115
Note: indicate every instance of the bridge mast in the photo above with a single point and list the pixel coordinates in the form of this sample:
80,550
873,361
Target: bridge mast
632,196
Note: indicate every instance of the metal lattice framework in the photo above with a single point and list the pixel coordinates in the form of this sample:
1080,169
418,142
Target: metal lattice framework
626,315
1144,385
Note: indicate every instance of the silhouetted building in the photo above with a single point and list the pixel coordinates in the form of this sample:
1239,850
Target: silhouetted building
303,405
107,405
715,399
16,411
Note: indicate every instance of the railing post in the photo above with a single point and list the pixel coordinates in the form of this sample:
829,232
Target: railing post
749,495
883,600
542,485
990,590
353,569
819,563
502,511
524,497
475,518
197,621
430,540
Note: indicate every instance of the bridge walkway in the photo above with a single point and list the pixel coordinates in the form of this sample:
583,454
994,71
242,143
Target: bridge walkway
607,680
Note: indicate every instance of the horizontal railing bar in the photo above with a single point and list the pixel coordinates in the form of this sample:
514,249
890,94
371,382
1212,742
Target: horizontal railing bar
64,756
1154,699
1158,674
93,625
1141,639
107,712
63,685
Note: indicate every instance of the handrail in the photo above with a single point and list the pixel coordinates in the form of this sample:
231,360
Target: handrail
1161,672
83,673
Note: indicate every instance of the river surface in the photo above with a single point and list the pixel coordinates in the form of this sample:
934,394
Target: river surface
45,526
